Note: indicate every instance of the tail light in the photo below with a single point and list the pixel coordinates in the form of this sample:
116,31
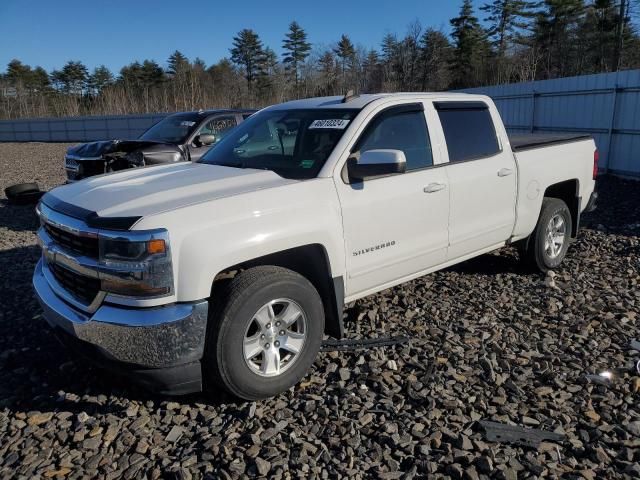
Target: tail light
596,159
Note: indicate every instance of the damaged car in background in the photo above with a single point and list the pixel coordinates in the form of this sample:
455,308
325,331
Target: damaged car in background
184,136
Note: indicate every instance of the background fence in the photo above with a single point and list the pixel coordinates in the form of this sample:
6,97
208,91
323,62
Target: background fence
606,106
77,129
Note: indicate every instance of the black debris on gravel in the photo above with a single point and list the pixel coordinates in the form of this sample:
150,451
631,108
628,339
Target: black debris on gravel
497,344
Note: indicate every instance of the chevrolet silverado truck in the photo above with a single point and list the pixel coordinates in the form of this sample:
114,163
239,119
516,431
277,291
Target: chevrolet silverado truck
227,273
184,136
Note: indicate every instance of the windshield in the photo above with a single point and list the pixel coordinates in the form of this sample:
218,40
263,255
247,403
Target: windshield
172,129
292,143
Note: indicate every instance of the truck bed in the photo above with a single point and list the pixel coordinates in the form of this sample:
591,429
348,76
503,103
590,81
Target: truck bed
528,141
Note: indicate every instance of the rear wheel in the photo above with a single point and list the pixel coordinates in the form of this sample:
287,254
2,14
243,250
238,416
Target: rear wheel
547,246
264,333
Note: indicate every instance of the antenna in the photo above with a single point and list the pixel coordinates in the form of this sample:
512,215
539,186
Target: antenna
349,96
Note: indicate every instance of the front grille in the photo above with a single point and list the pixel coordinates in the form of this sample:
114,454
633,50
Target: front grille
70,163
83,288
86,246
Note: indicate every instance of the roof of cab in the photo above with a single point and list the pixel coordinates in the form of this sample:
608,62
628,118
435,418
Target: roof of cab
216,111
360,101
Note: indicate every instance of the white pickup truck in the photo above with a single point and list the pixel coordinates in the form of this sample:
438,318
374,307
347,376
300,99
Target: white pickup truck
228,272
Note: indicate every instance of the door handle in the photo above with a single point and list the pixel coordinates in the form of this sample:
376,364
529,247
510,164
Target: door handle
273,147
505,172
434,187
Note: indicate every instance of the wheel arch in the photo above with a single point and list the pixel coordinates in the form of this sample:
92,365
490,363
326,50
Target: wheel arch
312,262
569,192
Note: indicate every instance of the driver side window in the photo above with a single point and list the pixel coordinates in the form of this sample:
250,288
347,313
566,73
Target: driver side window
405,131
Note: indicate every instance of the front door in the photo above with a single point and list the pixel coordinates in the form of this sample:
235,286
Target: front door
395,226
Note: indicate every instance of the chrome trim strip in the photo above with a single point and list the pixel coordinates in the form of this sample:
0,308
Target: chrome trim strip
76,157
66,223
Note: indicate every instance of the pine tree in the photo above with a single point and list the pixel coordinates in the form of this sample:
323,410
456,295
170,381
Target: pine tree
408,54
177,63
100,79
72,78
199,64
507,19
556,35
435,55
38,80
247,52
151,74
372,72
17,72
389,48
266,70
296,51
346,52
468,62
143,75
328,73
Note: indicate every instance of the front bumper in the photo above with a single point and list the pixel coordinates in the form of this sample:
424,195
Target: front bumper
161,346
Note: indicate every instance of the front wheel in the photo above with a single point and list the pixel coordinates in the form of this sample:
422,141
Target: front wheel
264,333
547,246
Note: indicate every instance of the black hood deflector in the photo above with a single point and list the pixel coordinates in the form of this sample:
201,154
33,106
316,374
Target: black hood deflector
92,219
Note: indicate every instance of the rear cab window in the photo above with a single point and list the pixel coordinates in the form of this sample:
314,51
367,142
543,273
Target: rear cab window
468,130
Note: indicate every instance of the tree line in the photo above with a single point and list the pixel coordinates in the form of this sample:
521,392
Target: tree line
505,41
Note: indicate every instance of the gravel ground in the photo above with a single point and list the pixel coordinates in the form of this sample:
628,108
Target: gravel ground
492,342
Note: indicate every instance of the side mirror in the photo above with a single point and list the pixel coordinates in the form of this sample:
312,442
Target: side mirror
377,163
206,139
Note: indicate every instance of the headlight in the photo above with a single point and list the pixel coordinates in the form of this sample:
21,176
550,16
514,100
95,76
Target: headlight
136,265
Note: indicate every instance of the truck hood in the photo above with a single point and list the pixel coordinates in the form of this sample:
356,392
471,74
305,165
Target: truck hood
151,190
95,150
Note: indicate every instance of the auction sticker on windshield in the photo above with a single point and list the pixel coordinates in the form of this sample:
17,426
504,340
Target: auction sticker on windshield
330,123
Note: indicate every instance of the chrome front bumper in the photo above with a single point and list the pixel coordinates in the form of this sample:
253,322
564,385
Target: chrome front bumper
140,338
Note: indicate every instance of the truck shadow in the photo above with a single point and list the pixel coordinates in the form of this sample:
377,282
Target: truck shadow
38,373
18,218
503,261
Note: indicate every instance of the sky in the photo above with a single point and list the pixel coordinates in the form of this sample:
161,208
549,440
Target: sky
117,32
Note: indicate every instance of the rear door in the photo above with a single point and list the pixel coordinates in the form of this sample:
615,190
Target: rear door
482,178
395,226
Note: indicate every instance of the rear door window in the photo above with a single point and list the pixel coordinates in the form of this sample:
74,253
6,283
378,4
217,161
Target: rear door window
468,129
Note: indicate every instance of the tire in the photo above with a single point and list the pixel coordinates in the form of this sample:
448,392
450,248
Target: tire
535,251
23,193
20,188
238,328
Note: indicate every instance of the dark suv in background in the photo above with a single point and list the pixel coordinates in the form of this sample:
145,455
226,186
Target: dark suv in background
184,136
